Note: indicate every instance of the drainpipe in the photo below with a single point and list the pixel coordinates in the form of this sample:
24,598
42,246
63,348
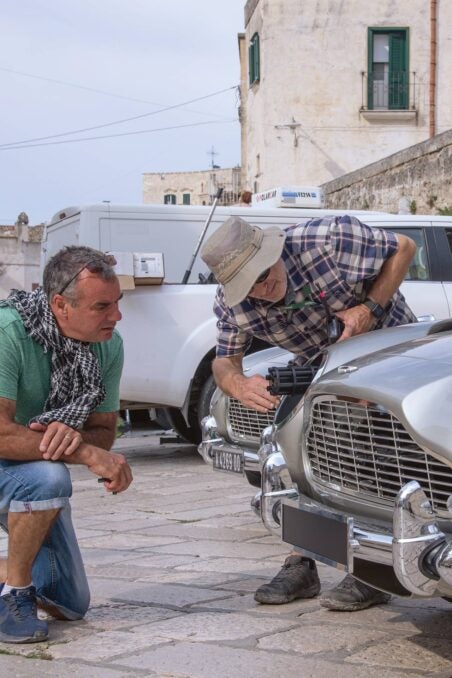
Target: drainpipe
432,91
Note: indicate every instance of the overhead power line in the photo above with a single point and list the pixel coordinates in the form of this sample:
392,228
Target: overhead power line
95,90
18,144
111,136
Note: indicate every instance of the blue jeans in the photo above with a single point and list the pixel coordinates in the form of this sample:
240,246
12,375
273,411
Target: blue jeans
58,572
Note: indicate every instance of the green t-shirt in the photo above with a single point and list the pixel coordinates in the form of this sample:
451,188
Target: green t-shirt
25,368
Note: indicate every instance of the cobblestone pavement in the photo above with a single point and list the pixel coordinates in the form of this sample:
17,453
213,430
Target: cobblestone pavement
173,564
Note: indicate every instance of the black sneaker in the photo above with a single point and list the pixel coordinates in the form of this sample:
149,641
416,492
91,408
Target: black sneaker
298,578
351,594
19,621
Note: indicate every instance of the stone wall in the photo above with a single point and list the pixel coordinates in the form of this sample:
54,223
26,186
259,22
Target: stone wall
418,177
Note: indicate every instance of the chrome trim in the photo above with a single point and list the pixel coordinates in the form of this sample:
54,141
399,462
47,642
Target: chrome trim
415,534
251,461
209,438
211,441
276,484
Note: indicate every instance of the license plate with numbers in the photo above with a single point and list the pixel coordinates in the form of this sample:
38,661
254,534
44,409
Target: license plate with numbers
225,460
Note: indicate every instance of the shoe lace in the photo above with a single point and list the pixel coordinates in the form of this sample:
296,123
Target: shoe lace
351,584
21,605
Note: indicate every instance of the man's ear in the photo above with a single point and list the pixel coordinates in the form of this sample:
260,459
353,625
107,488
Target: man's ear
59,306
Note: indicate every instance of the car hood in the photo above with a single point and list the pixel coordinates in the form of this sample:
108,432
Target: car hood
411,379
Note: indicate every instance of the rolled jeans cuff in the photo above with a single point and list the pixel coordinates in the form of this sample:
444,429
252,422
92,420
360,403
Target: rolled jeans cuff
38,505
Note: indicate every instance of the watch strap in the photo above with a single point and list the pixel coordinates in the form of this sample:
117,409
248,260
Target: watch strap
376,310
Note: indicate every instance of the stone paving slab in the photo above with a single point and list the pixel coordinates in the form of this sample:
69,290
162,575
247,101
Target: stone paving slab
210,661
169,595
173,584
19,667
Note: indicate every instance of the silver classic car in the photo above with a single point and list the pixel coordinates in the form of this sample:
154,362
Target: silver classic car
356,466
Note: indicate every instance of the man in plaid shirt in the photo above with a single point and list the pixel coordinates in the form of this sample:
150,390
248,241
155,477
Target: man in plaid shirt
284,286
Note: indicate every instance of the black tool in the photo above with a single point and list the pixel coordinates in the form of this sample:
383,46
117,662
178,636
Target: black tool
105,480
335,328
290,380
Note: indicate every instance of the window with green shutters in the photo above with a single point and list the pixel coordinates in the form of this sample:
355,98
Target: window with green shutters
186,198
388,72
254,59
169,199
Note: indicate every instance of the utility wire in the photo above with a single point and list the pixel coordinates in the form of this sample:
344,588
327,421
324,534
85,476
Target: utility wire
94,90
111,136
18,144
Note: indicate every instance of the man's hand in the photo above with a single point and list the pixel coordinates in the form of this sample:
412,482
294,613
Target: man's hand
58,439
357,320
253,393
107,465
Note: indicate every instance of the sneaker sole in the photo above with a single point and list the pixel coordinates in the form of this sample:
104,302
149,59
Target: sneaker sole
5,638
338,606
281,600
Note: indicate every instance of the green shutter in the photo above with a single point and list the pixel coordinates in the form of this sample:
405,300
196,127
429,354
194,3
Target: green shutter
370,69
256,58
398,74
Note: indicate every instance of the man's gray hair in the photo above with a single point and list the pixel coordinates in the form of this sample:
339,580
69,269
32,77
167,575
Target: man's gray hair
62,270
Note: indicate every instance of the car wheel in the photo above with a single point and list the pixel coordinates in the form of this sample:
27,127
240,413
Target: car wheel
177,422
191,432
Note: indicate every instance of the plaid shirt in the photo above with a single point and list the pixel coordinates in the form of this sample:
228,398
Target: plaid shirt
330,262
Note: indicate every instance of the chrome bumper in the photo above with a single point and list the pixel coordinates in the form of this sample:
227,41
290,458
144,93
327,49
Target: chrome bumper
417,550
212,442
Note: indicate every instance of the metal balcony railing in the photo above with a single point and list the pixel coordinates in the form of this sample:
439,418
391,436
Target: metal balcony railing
394,91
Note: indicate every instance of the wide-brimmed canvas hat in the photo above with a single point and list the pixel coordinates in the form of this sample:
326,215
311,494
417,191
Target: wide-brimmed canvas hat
238,252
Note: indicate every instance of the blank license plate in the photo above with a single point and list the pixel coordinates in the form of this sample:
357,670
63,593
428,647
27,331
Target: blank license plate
323,535
228,461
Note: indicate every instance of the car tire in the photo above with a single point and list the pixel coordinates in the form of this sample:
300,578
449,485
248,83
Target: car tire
191,432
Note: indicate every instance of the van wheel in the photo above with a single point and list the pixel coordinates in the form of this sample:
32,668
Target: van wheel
192,432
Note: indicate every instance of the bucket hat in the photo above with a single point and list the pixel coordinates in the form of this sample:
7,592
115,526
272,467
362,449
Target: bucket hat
237,253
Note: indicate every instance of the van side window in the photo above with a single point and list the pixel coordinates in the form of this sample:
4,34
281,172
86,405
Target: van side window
448,232
419,268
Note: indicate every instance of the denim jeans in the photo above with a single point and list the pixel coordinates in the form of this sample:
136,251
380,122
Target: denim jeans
58,572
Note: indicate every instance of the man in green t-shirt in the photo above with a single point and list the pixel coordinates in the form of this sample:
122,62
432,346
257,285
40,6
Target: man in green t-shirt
60,365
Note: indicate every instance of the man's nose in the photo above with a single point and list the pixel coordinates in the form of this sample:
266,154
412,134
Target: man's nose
115,314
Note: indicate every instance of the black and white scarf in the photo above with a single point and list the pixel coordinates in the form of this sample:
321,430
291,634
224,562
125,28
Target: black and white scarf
76,387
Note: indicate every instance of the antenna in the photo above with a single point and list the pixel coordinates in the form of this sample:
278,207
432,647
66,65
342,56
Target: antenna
212,153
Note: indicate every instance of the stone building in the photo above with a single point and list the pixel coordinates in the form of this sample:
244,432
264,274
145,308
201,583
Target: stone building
329,87
20,252
192,188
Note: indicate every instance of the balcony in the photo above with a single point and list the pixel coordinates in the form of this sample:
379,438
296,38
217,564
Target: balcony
388,97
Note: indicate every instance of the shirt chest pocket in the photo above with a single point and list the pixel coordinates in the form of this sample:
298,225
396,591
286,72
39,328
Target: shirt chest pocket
340,295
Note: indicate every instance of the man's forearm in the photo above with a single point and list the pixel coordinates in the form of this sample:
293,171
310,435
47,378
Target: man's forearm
393,272
20,443
227,372
100,436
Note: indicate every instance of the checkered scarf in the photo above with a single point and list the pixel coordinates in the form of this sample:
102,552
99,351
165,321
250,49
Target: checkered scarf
76,387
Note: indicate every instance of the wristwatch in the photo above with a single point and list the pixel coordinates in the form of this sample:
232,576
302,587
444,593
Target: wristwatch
376,310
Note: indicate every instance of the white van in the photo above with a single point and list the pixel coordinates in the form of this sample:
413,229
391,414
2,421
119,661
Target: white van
169,329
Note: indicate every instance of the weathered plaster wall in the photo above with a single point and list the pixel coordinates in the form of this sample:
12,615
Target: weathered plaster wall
313,54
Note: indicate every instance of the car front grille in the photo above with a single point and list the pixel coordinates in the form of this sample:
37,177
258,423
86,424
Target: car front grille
363,450
247,424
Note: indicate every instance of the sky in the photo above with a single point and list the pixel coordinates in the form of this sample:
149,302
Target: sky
81,67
